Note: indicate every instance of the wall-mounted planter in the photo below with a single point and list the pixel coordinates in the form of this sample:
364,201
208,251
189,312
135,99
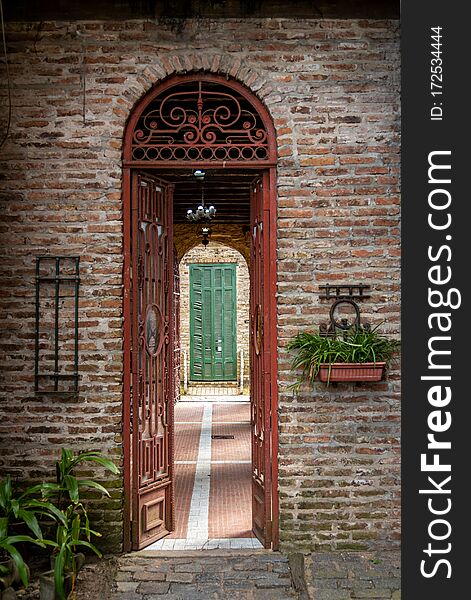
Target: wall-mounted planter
351,372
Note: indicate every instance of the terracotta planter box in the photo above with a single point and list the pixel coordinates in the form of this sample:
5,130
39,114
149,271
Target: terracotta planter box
351,372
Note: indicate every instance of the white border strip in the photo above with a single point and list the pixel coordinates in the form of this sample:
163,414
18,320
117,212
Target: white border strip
199,507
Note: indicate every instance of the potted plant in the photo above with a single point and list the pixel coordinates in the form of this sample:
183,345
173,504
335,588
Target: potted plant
355,354
13,568
73,529
66,561
18,513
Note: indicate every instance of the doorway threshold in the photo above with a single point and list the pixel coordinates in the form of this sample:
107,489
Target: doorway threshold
214,398
209,544
213,389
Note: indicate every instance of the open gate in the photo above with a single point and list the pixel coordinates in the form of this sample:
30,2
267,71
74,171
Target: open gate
260,357
152,370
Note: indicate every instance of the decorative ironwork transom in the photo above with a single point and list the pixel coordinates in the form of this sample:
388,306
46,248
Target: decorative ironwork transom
200,120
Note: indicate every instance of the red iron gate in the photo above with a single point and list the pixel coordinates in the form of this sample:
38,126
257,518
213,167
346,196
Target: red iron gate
260,359
152,370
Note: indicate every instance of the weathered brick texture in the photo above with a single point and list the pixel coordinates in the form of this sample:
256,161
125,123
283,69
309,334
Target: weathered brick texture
332,89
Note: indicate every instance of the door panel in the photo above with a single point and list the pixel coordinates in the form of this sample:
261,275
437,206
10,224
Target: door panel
260,364
213,322
152,373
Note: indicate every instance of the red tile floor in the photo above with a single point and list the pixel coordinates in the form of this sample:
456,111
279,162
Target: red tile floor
212,476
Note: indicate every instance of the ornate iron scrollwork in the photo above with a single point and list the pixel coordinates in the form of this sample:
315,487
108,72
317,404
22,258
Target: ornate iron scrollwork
200,120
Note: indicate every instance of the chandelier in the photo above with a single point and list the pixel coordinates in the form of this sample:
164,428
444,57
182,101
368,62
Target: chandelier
202,212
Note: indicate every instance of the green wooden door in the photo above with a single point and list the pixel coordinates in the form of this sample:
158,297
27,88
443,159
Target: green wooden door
213,322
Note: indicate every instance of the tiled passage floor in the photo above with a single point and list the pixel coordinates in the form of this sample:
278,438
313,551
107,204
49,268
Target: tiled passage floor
212,477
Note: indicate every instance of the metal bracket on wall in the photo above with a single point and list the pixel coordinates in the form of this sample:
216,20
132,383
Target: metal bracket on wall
56,339
344,291
344,312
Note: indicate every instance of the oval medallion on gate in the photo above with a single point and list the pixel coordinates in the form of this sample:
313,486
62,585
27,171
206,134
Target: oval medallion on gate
258,332
153,329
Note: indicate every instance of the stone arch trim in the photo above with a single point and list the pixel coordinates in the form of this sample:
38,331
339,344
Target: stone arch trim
217,63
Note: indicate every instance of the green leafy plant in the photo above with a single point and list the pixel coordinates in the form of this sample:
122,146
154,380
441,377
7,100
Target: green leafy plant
8,547
68,485
69,538
17,509
73,530
59,501
24,507
355,345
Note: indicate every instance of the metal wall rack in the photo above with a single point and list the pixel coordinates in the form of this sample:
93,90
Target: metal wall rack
56,339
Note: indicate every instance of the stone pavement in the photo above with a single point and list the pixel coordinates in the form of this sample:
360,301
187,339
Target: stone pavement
257,575
203,575
350,575
213,477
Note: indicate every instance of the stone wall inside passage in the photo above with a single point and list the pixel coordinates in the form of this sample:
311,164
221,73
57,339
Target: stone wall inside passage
332,88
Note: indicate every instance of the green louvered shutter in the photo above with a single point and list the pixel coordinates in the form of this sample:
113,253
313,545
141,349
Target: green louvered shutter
213,322
196,323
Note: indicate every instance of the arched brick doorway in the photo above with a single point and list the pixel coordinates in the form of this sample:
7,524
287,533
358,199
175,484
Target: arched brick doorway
215,123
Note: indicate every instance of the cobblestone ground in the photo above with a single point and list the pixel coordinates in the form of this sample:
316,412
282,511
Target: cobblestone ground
352,576
204,575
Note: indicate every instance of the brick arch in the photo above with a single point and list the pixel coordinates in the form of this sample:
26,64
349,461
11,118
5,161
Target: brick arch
186,237
257,82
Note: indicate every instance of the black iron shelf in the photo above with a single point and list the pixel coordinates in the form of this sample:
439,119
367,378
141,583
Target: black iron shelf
349,291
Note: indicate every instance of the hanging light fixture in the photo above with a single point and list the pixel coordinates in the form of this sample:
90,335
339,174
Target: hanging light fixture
205,231
203,212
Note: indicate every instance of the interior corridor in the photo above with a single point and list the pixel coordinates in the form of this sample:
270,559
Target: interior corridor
213,506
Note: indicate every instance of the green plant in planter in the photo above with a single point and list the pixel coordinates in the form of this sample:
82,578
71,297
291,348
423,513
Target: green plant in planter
354,345
8,549
69,538
67,487
73,530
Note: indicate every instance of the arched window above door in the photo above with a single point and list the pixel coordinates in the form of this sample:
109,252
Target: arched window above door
200,118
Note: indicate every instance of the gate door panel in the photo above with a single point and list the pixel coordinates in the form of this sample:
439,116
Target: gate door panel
260,365
152,359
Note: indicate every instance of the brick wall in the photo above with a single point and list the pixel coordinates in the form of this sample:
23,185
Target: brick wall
332,87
